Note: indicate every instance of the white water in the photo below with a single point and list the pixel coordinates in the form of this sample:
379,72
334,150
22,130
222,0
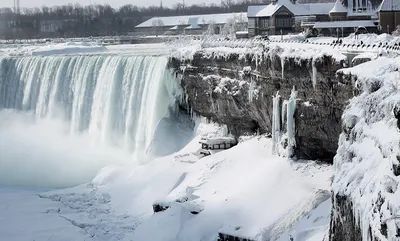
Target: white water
67,115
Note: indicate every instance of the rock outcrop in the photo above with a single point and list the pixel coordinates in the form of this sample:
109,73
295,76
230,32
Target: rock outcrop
237,91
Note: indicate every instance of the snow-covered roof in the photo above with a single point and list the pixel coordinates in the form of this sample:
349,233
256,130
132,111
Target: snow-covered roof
318,8
189,19
344,24
298,9
338,8
262,10
390,5
218,140
193,21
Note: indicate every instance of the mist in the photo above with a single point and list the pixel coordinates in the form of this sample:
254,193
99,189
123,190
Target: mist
42,153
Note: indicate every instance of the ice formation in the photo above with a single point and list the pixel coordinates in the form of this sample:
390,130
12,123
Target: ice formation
276,123
367,160
290,122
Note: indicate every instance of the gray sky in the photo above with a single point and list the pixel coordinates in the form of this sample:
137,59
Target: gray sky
113,3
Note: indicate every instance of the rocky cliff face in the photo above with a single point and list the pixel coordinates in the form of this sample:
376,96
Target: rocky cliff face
237,91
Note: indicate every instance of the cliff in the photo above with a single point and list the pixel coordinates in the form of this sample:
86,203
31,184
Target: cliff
236,89
365,203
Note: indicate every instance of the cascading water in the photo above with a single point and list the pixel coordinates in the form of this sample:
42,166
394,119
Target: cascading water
114,101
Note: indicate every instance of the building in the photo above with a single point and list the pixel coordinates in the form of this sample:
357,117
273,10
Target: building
389,15
285,16
191,24
357,16
334,19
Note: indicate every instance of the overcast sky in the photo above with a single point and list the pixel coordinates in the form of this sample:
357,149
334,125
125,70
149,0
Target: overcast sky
113,3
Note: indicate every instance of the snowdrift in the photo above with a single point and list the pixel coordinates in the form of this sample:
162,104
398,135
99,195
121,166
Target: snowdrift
245,191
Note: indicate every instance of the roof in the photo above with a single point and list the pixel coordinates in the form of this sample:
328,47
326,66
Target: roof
190,19
193,21
218,140
389,5
318,8
262,10
338,8
344,24
298,9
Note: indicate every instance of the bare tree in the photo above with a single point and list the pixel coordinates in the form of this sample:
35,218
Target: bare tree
158,26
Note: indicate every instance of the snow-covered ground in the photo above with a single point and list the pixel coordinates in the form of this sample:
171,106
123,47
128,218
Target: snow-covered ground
244,191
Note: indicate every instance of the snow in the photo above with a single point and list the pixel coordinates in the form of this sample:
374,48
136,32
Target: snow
338,8
220,48
369,148
188,19
244,191
298,9
263,10
68,48
26,216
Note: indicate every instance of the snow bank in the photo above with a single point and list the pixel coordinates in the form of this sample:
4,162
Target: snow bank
367,160
244,191
223,48
68,48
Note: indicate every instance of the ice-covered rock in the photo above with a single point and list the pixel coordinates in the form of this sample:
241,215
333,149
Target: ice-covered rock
366,200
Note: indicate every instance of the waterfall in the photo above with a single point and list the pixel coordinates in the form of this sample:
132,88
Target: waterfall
116,100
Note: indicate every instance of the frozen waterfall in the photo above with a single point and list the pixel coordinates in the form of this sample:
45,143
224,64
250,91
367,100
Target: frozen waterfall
116,100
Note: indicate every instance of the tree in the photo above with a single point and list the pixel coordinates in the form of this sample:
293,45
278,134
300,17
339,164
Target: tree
157,25
397,31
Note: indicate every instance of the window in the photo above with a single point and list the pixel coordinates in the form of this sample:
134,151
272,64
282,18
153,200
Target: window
264,23
283,21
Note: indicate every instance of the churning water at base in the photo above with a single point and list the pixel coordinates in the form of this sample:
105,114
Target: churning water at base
112,102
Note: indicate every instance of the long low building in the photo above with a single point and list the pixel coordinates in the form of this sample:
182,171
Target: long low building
191,24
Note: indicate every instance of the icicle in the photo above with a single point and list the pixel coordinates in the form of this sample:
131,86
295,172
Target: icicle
291,107
284,108
276,125
224,131
283,66
251,90
314,73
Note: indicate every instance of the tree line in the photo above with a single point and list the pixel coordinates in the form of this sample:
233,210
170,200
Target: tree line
75,20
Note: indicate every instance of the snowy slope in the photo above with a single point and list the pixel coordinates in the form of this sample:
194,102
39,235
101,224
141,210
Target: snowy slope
244,191
366,165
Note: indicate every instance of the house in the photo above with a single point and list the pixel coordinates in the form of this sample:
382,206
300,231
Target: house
190,24
356,16
284,16
389,15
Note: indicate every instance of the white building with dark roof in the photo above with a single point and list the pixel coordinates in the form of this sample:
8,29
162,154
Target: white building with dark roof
190,24
284,15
